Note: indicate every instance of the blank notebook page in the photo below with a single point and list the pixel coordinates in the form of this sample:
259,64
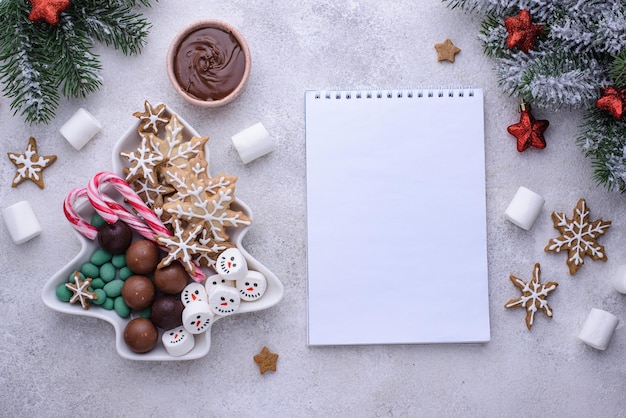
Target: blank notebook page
396,217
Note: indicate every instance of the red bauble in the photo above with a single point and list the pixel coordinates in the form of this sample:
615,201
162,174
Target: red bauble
522,32
612,100
47,10
528,131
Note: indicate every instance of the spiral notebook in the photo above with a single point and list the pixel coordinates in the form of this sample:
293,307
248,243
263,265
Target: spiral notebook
396,217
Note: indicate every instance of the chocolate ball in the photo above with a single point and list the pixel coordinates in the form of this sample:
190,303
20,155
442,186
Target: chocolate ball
115,238
142,256
138,292
140,335
171,279
167,312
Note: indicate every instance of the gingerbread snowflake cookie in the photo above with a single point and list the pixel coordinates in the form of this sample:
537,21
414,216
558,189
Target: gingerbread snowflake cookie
30,164
578,236
534,296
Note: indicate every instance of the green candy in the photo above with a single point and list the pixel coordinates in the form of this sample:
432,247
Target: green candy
120,307
145,313
119,260
102,297
108,304
107,272
71,277
114,288
90,270
97,283
100,256
125,273
97,221
63,293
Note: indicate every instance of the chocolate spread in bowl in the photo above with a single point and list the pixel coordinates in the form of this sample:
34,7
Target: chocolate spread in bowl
209,64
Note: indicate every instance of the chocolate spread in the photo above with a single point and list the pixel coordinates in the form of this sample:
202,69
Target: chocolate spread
209,64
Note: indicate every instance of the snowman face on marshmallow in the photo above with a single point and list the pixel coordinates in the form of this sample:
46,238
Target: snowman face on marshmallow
197,317
193,292
231,264
178,341
252,286
224,300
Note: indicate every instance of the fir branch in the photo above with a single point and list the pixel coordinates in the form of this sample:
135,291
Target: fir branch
114,23
26,63
617,69
77,67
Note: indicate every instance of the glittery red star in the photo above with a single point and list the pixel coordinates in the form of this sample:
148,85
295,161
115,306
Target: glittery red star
528,131
47,10
612,100
522,32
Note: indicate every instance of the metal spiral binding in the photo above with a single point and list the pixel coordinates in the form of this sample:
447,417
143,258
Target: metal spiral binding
400,93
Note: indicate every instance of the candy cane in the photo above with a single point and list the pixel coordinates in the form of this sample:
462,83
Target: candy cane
69,208
111,211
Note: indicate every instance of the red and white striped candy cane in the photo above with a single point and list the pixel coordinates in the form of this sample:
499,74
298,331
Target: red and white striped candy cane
69,208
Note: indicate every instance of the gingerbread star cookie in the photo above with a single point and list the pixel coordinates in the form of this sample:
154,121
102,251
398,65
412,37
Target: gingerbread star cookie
30,164
446,51
266,360
533,296
578,236
151,118
80,290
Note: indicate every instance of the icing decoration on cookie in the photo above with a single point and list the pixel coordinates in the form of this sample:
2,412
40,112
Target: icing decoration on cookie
144,160
197,317
578,236
149,191
231,264
252,287
266,360
208,259
182,246
533,296
80,290
176,151
151,118
193,292
211,211
224,300
30,164
199,166
214,280
178,341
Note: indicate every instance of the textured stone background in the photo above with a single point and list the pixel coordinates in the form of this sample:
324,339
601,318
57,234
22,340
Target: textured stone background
55,364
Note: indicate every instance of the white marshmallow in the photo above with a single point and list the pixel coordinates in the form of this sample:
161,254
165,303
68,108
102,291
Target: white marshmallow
524,208
224,300
214,280
197,317
252,142
178,341
619,280
598,329
21,222
231,264
193,292
252,287
80,128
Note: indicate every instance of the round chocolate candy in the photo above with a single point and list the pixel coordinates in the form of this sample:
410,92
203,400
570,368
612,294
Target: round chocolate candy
142,256
138,292
140,335
171,279
115,238
167,311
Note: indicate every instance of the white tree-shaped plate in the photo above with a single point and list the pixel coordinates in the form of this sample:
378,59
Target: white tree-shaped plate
274,293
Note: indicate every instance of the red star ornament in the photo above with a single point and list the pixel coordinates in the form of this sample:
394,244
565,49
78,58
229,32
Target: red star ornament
47,10
528,131
522,32
612,100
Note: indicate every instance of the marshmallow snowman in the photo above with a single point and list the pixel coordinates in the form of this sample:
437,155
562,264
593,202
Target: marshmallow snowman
231,264
197,317
214,280
178,341
224,300
193,292
252,287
